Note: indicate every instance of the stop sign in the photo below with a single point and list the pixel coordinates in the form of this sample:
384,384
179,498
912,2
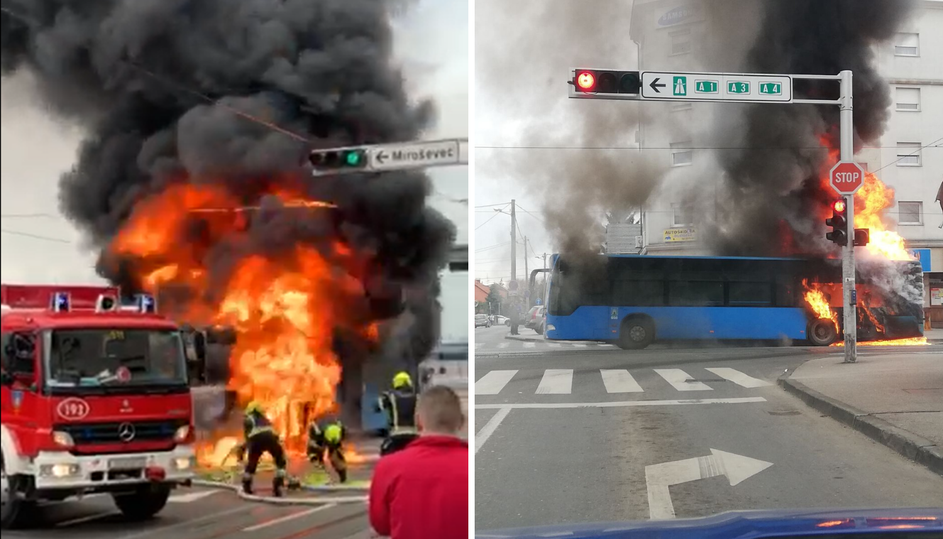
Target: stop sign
847,177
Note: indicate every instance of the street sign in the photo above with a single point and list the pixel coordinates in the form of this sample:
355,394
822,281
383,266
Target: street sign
847,177
414,155
728,87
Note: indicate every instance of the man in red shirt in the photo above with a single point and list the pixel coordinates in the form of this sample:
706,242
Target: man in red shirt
422,491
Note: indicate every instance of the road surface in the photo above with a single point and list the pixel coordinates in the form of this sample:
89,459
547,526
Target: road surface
200,514
581,435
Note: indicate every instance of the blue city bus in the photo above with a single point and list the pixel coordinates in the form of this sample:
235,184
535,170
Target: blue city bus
633,300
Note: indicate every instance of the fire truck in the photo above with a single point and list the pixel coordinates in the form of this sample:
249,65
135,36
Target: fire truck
95,399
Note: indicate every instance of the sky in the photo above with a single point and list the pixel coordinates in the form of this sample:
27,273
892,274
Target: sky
523,53
432,44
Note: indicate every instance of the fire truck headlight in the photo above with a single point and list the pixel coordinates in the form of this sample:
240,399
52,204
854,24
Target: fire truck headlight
59,470
63,439
182,434
183,463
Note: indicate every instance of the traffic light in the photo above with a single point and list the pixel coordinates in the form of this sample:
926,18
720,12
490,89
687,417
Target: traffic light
607,82
862,237
350,158
839,223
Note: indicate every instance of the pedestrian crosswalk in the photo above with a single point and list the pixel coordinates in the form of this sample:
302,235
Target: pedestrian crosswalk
509,346
617,381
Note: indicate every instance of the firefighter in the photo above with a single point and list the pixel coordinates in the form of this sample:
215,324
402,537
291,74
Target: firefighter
400,407
262,438
328,436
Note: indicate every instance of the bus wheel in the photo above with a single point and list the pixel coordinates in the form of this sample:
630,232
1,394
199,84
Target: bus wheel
637,333
823,332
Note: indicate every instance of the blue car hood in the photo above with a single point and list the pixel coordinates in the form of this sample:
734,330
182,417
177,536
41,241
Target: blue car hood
745,525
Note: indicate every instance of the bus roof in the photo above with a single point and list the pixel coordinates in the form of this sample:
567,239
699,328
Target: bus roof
699,257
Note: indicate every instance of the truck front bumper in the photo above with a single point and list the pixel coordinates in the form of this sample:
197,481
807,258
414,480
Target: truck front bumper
65,471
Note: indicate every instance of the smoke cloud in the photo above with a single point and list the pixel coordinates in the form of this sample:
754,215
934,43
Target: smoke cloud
211,92
774,157
528,44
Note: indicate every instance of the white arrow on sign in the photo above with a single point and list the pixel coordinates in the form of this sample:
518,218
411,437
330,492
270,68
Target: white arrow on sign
658,477
415,155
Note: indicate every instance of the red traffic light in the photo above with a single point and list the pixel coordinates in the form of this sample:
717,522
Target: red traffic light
585,81
839,206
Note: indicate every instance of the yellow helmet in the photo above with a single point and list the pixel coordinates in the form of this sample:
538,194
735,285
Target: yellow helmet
332,434
401,380
253,407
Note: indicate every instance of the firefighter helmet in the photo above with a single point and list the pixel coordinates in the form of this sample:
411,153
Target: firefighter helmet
401,380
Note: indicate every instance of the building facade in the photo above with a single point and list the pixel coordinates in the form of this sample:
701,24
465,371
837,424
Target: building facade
680,35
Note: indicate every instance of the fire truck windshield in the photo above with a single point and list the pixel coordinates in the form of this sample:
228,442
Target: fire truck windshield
112,358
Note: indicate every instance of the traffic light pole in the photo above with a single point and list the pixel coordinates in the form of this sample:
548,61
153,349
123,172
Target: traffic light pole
849,285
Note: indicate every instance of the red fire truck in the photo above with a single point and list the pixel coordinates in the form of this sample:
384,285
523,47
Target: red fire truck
95,399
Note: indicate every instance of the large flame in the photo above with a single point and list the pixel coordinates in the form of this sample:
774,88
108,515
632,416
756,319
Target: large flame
815,297
284,310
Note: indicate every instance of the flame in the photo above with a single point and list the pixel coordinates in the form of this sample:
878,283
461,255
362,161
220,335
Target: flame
284,310
816,299
915,341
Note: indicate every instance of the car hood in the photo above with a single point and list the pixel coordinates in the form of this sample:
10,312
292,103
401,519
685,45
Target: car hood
742,525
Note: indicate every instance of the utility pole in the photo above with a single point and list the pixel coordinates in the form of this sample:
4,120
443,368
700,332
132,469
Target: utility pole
526,265
513,240
545,260
847,127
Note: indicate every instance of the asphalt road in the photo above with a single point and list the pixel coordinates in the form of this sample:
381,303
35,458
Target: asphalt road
569,435
200,514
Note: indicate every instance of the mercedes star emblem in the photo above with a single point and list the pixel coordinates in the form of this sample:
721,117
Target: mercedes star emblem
126,432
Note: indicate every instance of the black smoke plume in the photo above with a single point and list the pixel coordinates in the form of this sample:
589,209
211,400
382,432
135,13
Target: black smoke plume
773,175
233,94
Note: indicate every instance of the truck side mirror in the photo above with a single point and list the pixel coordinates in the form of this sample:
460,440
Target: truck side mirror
19,354
199,346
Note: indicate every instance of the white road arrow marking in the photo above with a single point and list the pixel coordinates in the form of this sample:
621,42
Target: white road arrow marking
658,477
191,496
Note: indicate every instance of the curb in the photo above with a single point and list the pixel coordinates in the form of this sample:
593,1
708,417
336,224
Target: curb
280,501
911,446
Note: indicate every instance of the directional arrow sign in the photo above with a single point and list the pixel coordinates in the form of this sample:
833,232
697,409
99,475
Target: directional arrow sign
725,87
414,155
659,477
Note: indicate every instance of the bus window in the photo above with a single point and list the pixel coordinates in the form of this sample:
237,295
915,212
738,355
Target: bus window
695,294
750,294
638,293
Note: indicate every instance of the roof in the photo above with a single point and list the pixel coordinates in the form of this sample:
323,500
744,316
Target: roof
84,319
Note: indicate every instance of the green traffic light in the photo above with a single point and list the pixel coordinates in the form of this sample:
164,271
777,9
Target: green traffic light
353,159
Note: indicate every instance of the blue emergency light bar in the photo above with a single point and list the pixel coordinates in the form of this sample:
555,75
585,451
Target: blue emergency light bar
146,304
61,302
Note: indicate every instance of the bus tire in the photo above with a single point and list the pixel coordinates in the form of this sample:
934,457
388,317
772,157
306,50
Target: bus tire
823,332
637,333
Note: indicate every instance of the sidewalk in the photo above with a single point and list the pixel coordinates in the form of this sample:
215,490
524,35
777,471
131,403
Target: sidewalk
934,335
895,399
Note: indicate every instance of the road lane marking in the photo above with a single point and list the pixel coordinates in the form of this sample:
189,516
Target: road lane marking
554,345
529,345
503,345
287,518
490,427
493,382
89,518
192,496
681,380
556,382
160,530
620,404
579,345
738,377
619,381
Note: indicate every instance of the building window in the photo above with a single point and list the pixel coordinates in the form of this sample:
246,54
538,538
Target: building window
907,45
681,154
683,215
910,213
680,42
908,99
908,154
